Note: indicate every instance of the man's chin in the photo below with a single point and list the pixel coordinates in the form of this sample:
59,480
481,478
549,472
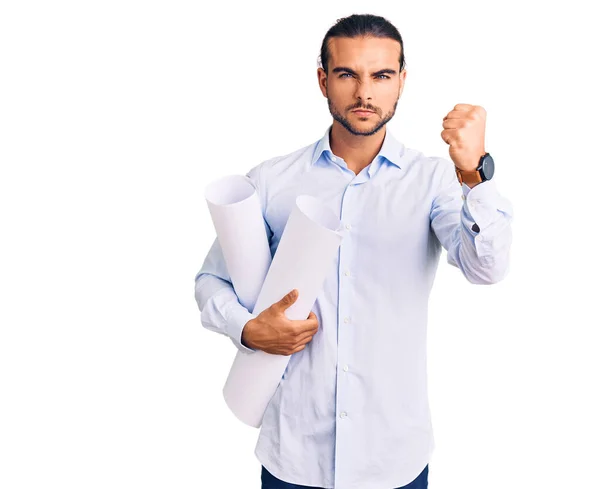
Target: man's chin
367,129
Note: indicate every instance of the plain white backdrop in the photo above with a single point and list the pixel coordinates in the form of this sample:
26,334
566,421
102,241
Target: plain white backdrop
115,115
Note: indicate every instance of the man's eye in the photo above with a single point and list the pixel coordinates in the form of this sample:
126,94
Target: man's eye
344,74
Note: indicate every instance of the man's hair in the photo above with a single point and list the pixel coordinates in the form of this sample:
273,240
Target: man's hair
357,25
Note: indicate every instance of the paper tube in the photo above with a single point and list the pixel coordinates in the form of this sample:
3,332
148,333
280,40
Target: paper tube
237,216
308,244
307,247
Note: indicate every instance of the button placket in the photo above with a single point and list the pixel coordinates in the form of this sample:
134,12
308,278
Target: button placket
345,275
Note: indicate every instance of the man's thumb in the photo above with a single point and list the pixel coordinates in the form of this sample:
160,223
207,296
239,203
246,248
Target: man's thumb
287,300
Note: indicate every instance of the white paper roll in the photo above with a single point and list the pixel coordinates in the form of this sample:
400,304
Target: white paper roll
308,244
237,216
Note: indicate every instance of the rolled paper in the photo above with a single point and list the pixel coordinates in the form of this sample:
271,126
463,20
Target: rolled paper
237,216
308,245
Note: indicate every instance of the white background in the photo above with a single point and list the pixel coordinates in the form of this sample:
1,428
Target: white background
115,115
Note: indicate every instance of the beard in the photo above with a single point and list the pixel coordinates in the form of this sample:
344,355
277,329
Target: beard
352,128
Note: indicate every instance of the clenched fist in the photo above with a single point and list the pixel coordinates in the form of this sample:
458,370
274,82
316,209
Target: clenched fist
272,332
464,131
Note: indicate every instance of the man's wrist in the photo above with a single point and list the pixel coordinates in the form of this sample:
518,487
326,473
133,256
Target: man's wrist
244,338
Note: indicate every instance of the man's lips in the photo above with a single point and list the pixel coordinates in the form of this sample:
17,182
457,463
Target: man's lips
363,113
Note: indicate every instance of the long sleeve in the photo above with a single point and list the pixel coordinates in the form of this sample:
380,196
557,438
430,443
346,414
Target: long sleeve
221,310
474,226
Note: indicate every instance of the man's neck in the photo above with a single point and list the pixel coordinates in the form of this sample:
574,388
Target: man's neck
357,151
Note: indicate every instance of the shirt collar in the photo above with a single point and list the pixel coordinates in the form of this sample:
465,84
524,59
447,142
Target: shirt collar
391,149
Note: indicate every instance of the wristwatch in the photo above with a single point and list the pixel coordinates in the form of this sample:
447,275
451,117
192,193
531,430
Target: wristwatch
485,171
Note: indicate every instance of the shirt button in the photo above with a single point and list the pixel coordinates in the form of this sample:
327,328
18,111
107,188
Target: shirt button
346,319
343,414
345,368
334,158
348,226
347,273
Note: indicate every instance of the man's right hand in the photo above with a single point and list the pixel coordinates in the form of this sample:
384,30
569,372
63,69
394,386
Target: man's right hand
272,332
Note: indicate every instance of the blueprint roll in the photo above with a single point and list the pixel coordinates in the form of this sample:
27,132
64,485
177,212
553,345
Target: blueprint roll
308,245
236,213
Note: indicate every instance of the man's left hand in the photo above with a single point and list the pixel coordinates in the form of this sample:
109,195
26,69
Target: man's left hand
464,131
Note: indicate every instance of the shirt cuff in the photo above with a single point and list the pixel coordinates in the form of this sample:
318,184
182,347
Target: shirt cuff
466,189
236,320
482,205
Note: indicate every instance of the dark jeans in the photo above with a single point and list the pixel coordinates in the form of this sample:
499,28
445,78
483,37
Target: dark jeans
269,481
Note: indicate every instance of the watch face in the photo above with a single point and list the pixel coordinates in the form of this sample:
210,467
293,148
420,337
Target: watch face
488,167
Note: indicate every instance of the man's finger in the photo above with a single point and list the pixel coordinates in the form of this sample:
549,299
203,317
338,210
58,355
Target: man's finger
463,107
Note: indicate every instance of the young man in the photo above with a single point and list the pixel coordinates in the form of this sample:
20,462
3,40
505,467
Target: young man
352,411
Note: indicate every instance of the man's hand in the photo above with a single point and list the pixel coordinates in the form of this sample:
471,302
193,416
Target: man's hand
272,332
464,131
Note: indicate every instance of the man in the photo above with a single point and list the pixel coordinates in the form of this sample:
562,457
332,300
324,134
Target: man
351,410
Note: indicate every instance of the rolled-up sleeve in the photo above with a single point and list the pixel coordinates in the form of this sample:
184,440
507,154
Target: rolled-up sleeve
473,225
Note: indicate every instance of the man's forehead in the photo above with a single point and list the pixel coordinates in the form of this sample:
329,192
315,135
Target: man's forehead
364,50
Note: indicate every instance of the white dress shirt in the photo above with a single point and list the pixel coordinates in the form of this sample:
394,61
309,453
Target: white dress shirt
352,410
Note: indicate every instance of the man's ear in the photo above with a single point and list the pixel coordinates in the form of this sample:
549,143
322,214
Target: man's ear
322,79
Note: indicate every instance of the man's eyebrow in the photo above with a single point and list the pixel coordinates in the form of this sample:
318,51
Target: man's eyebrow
337,69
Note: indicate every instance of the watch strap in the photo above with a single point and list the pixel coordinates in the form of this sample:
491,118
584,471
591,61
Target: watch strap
468,177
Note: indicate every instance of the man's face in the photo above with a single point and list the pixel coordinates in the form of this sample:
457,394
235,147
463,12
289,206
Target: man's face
356,81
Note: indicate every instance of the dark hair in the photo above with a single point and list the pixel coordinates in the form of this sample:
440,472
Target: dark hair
357,25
